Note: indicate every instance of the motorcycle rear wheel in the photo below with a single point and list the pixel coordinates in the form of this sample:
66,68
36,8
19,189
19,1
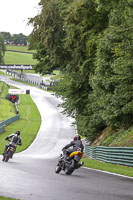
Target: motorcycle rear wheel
6,159
7,156
3,159
69,170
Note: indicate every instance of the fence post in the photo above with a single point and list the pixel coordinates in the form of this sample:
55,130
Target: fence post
4,127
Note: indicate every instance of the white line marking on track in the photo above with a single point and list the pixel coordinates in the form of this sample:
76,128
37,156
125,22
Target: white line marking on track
98,170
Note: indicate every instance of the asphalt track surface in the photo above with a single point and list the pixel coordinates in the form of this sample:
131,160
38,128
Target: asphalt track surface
30,175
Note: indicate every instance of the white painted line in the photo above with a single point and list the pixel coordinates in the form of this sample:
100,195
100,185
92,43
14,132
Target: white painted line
98,170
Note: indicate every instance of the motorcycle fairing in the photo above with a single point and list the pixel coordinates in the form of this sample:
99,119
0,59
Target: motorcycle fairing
76,153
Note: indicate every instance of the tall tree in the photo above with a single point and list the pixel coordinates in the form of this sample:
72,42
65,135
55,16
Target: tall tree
65,35
47,37
2,49
83,25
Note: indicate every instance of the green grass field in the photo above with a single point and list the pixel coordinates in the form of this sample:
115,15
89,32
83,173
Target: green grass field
18,58
18,48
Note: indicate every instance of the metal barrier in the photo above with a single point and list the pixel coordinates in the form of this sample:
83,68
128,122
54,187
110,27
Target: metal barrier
35,80
7,122
115,155
1,129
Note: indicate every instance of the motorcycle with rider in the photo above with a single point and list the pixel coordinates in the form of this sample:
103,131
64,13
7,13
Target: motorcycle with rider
69,159
10,148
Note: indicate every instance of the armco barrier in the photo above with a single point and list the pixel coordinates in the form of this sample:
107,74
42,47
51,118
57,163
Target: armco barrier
1,129
7,122
115,155
31,79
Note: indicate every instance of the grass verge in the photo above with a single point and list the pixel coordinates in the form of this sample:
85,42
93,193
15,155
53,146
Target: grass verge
118,169
6,198
28,124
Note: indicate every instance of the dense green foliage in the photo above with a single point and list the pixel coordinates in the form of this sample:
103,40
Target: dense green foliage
2,48
91,42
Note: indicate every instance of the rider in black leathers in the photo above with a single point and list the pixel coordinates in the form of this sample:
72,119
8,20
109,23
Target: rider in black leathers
15,139
76,144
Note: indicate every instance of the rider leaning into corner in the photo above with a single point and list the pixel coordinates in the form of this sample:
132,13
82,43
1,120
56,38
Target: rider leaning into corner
15,139
76,145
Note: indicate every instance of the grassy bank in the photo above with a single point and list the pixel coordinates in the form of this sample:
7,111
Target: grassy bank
118,138
118,169
28,124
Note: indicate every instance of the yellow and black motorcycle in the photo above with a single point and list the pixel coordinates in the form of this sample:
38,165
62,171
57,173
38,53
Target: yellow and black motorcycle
70,163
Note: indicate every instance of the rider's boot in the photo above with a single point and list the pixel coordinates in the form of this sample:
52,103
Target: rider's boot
79,165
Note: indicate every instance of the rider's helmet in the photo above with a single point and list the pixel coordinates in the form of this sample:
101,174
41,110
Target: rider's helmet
18,132
77,137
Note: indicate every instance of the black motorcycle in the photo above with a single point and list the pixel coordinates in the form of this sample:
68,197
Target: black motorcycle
10,151
70,163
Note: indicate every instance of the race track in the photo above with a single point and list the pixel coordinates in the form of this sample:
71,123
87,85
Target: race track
30,174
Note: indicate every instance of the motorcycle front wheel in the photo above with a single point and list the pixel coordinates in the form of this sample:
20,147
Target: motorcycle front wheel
57,169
